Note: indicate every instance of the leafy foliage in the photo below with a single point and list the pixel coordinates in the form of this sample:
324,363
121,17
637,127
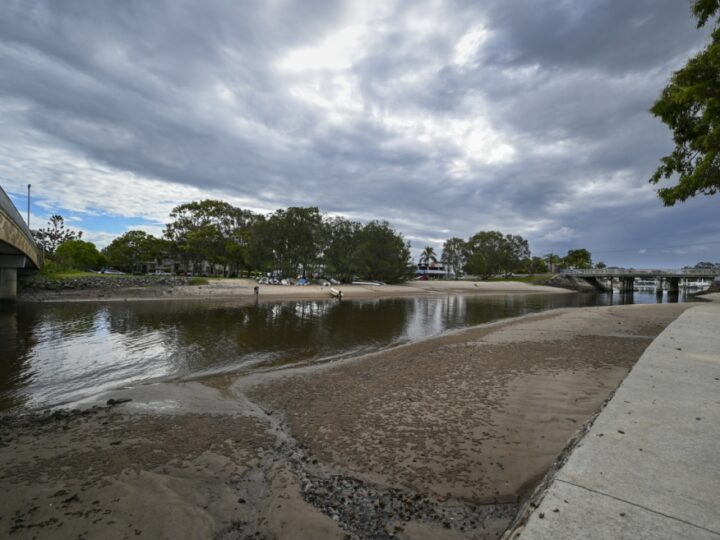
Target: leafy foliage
381,253
428,255
133,247
211,230
51,237
578,258
342,241
536,265
78,255
453,254
553,261
690,106
289,241
490,252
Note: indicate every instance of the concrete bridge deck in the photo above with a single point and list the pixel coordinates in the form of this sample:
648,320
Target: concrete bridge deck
673,279
17,247
648,467
685,273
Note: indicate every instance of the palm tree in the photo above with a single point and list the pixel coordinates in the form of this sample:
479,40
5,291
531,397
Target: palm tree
552,261
427,255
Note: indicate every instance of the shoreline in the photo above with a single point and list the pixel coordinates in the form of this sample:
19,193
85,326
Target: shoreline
439,438
668,399
242,289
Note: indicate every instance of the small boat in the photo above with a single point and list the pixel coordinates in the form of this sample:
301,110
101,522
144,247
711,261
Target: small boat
644,284
698,284
367,283
336,293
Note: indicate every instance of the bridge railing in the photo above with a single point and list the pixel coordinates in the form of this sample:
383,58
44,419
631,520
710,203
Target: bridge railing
8,207
610,272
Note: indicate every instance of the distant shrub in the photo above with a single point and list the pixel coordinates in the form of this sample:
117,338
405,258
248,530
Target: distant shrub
198,281
50,268
78,255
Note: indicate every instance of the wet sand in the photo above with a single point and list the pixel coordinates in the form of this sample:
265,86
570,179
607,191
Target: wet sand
243,289
437,439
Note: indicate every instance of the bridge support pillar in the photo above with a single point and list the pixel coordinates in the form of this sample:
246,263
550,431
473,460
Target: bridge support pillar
9,265
627,285
8,283
673,284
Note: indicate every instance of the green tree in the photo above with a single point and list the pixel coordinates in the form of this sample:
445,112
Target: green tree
382,254
260,252
453,255
342,241
426,256
578,258
535,265
50,238
78,255
489,253
210,230
289,241
601,265
519,252
690,106
133,247
553,261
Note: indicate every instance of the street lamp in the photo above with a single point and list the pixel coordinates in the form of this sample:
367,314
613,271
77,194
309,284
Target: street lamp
28,210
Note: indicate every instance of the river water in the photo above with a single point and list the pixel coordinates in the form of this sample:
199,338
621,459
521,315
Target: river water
58,353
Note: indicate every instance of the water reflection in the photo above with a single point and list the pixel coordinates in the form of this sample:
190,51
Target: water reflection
56,353
644,297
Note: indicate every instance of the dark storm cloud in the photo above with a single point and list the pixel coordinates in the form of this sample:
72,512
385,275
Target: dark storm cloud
526,116
612,36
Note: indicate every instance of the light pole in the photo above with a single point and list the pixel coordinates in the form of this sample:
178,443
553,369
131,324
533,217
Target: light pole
28,211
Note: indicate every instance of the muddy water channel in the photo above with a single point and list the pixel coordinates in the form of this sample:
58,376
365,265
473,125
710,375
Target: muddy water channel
53,354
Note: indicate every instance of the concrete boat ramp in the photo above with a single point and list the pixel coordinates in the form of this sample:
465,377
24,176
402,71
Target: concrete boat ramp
649,465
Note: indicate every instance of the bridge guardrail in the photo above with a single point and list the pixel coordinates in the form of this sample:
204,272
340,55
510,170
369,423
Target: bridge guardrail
8,207
610,272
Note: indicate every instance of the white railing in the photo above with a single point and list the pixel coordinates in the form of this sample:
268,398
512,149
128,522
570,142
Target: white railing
601,272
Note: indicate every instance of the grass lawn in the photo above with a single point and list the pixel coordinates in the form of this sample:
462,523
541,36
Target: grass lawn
535,279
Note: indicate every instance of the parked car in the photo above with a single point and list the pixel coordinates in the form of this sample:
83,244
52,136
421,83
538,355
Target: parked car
112,271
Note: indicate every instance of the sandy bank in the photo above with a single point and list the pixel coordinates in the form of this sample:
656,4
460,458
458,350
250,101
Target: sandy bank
437,439
243,289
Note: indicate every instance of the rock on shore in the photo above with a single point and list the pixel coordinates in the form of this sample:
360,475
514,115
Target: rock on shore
570,282
37,284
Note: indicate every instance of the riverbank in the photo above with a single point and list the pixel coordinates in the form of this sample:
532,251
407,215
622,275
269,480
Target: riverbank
437,439
647,466
244,290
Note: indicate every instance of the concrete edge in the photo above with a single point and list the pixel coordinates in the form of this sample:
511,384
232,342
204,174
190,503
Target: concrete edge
538,494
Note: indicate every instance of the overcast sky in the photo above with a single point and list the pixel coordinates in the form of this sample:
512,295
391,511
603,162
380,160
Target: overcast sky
444,118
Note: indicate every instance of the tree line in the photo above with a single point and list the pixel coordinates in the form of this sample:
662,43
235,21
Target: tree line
295,241
491,253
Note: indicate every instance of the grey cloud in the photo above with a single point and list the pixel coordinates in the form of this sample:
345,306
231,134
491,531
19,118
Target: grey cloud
611,35
135,86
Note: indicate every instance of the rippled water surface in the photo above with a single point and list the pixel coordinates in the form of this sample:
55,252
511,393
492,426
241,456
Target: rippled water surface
52,354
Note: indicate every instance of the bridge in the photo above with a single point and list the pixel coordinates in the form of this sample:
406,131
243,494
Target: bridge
18,250
626,276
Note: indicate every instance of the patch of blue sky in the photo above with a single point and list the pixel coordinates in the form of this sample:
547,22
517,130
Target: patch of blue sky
90,222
